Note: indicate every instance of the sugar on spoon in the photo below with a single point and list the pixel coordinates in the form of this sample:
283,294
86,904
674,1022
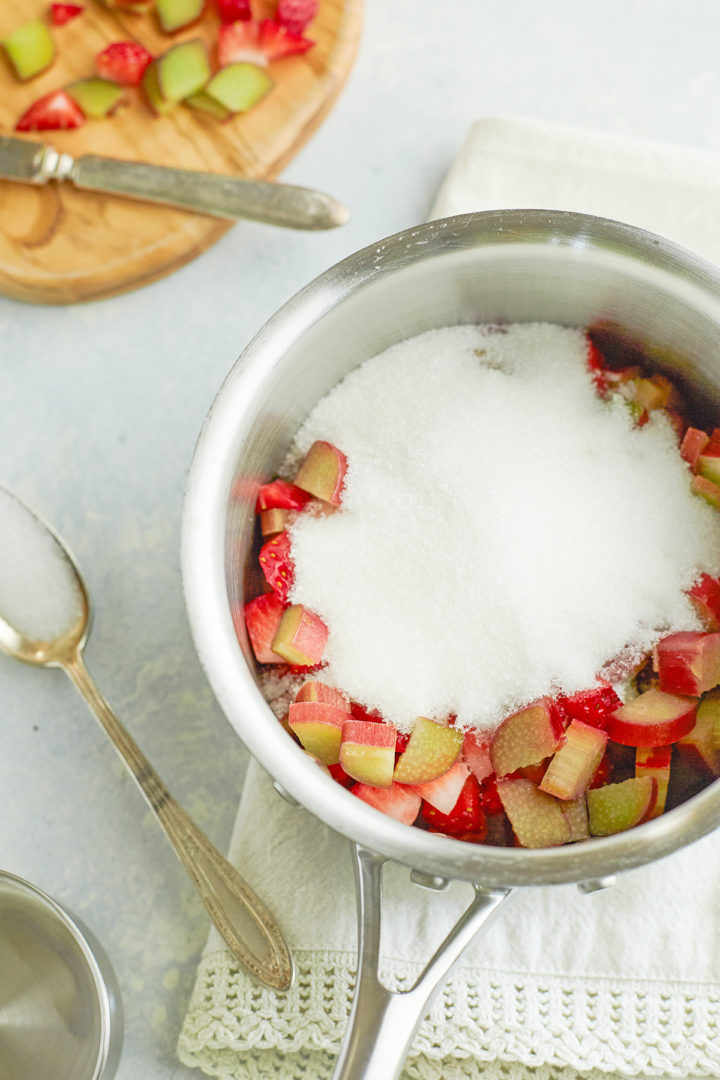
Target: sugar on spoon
45,619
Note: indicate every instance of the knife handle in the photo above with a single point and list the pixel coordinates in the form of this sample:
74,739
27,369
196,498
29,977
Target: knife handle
209,193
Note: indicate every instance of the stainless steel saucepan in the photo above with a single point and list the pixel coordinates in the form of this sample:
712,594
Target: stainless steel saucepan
501,266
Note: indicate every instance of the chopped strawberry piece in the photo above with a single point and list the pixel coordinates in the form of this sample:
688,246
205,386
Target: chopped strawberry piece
239,41
262,618
603,773
296,14
123,62
277,565
467,815
338,773
705,595
444,791
489,798
359,712
234,10
64,13
403,738
597,366
280,495
278,41
397,801
590,706
54,112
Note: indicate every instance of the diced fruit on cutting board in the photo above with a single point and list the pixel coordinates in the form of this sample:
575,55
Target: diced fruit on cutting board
575,763
444,792
97,98
296,15
30,49
123,62
652,719
54,112
537,819
151,89
60,14
183,70
301,636
322,473
231,11
688,663
239,86
262,619
526,737
319,729
367,752
617,807
176,14
397,801
431,750
655,761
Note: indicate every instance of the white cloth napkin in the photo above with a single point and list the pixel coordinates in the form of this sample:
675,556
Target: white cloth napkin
623,982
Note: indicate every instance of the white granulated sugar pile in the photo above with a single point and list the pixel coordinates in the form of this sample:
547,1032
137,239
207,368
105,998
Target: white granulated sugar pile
38,590
503,532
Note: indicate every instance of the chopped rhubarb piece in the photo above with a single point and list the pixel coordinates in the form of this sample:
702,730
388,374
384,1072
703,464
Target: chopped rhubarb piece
322,473
280,495
123,62
296,15
465,820
277,565
262,619
240,86
476,754
576,815
30,49
654,392
301,636
688,663
709,491
654,718
526,737
277,41
574,764
590,706
537,819
705,595
444,792
176,14
367,752
64,13
617,807
97,98
700,743
654,761
275,521
319,728
533,772
183,70
693,443
708,460
132,7
151,90
54,112
396,801
231,11
328,695
431,750
202,102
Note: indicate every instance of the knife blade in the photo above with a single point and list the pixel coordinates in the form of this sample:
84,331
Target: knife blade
286,205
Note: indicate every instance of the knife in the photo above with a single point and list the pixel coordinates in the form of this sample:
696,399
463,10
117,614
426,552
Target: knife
203,193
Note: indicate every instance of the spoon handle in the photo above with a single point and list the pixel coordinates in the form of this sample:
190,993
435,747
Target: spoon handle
243,921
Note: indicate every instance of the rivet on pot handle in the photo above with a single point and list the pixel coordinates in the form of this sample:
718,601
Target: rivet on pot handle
383,1022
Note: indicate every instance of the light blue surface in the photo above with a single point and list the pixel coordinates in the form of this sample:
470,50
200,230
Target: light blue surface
100,406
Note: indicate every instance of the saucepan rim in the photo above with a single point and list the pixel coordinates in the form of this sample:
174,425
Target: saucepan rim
203,557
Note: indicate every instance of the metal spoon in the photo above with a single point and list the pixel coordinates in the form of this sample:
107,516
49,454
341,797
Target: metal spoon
234,908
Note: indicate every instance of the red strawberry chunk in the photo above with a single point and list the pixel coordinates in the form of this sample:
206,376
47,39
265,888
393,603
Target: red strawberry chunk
359,712
489,798
234,10
338,773
296,14
705,595
277,565
123,62
240,41
278,41
54,112
597,366
64,13
280,495
590,706
467,816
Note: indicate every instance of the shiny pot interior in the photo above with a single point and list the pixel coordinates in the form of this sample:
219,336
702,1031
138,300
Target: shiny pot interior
501,266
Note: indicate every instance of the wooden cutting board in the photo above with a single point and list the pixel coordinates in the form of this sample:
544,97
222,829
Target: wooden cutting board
59,245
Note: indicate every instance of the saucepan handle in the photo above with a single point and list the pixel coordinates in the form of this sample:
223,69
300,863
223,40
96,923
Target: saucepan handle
383,1022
